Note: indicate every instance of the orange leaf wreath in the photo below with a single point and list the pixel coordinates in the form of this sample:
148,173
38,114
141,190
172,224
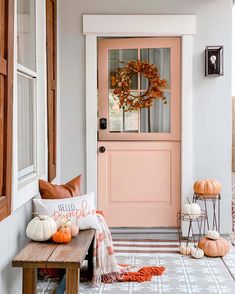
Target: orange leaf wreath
122,83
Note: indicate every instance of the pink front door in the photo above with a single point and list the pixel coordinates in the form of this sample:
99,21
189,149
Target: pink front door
139,151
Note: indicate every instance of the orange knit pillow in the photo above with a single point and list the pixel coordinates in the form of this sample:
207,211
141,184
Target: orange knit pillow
50,191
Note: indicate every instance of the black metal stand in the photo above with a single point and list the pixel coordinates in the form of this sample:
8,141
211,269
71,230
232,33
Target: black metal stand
213,221
192,236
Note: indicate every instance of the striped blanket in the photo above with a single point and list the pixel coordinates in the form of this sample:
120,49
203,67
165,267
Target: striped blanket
106,268
105,265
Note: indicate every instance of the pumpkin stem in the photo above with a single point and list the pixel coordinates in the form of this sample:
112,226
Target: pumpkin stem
65,223
38,215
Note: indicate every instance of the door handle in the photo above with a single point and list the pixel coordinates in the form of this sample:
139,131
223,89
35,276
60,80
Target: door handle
102,149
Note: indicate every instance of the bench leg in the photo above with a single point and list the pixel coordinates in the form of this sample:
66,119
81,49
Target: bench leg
72,281
90,261
29,281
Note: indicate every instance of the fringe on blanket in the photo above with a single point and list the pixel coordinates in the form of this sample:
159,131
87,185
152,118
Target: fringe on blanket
106,268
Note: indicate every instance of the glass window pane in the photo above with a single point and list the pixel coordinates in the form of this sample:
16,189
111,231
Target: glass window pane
161,58
131,121
25,118
118,58
121,120
156,119
115,115
26,33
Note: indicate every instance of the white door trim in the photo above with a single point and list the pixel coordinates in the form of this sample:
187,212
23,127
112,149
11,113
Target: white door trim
95,26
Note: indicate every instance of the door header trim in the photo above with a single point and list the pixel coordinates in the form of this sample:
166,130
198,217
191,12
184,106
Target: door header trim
139,25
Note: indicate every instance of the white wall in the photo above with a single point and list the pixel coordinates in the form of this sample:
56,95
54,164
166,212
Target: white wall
212,96
12,239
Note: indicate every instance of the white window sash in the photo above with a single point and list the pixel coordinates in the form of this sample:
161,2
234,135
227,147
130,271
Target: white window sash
25,172
27,71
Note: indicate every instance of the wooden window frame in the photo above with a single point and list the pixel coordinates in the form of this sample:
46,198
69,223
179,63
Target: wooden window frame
6,104
51,28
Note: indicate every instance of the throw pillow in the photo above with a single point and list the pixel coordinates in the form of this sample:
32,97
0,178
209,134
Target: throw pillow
51,191
80,210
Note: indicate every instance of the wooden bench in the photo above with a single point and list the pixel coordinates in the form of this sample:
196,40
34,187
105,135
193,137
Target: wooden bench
50,255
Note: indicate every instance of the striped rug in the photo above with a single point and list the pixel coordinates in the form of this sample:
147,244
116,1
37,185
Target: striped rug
146,246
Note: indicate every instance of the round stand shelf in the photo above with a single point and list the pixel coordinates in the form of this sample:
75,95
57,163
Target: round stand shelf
196,227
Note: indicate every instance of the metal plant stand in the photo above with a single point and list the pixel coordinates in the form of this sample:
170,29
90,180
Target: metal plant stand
214,202
193,234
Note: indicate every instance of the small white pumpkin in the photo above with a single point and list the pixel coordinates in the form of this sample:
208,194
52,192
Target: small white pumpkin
74,229
186,250
197,252
41,228
192,209
214,235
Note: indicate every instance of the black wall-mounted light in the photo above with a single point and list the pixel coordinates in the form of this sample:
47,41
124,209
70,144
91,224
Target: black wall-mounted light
214,63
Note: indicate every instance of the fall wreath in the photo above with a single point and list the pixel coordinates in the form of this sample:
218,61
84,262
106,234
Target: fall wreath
122,84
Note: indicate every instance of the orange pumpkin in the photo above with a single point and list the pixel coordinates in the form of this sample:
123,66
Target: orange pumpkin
207,187
214,248
63,235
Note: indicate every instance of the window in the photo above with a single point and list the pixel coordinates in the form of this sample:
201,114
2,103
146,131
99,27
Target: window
26,87
23,128
30,98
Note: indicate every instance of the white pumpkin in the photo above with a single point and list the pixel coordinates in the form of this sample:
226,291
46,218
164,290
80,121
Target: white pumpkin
192,209
214,235
186,250
41,228
74,229
197,252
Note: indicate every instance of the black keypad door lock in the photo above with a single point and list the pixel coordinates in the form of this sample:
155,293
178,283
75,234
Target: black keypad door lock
102,149
103,123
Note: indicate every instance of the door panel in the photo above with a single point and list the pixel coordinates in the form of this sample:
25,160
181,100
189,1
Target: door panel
139,184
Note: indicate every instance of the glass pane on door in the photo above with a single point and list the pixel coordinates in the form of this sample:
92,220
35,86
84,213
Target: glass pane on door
121,120
161,57
118,58
155,119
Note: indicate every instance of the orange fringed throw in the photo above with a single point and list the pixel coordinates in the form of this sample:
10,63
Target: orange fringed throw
143,275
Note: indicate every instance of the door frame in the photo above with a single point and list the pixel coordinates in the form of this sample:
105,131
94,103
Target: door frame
184,26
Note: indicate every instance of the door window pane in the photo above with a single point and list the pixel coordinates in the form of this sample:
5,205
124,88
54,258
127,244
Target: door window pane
121,120
157,118
159,57
131,121
26,34
118,58
115,115
25,118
